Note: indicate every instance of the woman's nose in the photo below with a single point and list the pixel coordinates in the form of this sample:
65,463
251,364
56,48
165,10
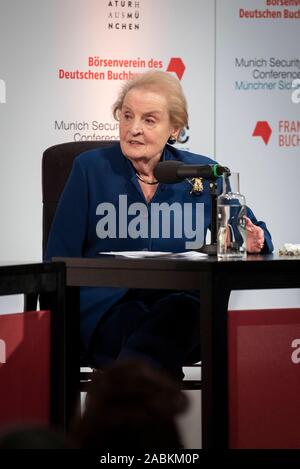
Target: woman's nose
137,127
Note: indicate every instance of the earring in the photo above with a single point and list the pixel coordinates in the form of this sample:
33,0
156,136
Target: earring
171,140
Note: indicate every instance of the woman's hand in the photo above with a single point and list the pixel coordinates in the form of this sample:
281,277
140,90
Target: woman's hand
255,237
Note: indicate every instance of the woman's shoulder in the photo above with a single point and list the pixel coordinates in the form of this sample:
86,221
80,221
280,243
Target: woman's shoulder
98,156
189,157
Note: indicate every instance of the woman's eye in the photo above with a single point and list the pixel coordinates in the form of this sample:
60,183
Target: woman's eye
150,121
126,117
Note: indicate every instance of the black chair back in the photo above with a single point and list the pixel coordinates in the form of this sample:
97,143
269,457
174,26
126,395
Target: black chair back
56,166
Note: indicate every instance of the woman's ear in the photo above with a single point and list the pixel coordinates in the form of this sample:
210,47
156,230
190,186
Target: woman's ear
173,136
172,140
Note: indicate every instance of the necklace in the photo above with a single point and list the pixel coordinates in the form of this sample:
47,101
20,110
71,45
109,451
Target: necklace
146,182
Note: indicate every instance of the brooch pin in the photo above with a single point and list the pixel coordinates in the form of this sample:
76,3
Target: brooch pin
197,184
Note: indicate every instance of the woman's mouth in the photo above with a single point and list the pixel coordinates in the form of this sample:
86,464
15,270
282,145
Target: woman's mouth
135,142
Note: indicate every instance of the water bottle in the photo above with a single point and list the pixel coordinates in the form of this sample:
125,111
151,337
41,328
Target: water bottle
231,223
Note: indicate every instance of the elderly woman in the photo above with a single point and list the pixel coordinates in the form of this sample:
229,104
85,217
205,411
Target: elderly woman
112,202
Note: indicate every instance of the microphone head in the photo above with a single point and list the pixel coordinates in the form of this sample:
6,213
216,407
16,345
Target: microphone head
166,172
220,170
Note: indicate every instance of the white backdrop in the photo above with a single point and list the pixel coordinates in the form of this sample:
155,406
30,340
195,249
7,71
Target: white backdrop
249,54
42,40
49,35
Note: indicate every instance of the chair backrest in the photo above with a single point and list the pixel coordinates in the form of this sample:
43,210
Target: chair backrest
56,166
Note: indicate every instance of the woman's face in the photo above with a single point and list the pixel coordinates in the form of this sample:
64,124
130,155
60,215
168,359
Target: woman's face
144,124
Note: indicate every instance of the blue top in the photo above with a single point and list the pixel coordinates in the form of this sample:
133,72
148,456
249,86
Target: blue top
102,208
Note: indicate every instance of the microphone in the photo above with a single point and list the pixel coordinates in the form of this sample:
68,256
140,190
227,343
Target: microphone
170,172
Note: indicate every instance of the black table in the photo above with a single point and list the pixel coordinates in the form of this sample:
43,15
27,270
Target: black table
215,280
47,280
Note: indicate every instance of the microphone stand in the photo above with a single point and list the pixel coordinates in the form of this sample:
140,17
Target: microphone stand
170,172
211,249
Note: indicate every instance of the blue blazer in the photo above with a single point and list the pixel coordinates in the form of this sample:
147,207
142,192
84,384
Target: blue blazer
102,208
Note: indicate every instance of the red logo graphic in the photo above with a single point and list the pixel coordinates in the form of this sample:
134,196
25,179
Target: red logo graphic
263,130
176,65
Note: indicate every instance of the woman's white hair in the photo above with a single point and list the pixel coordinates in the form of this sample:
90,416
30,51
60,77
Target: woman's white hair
161,82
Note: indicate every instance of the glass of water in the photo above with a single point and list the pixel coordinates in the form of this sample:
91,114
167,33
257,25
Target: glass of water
231,223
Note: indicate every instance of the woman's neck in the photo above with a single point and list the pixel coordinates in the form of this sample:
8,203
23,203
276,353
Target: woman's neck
144,167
